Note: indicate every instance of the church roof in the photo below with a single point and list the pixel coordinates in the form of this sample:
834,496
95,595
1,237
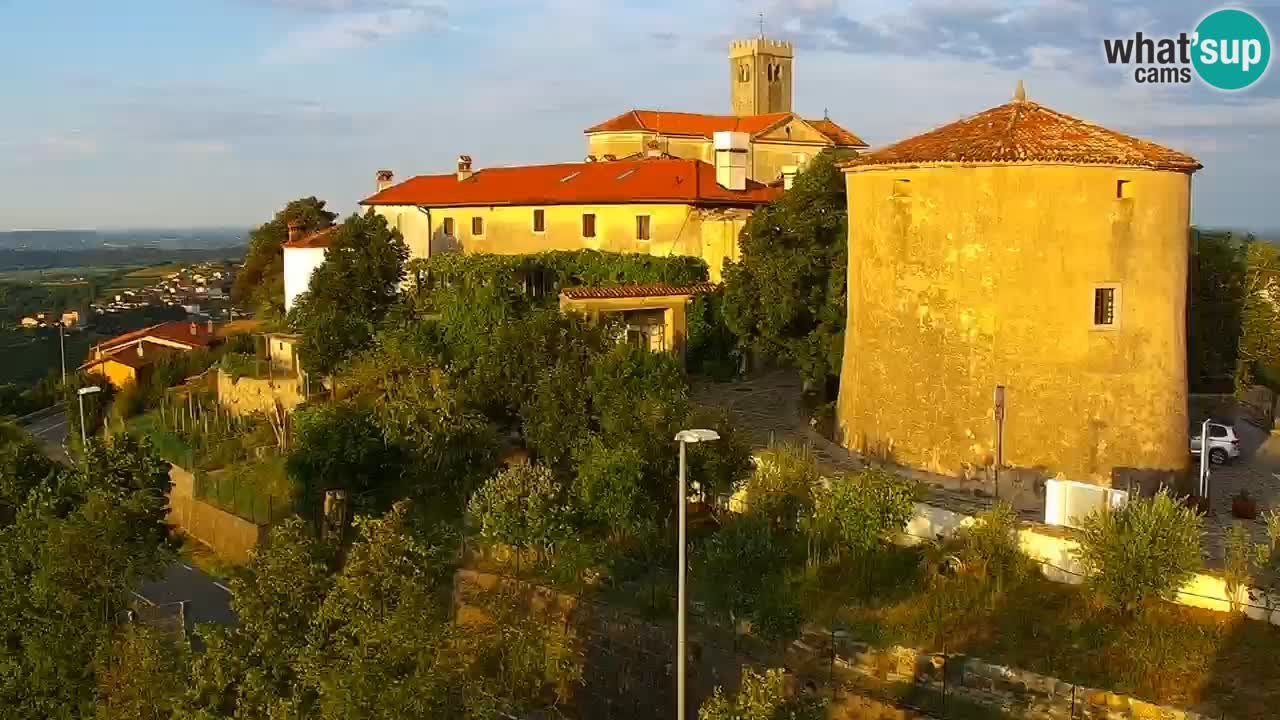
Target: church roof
1022,132
648,180
701,125
318,239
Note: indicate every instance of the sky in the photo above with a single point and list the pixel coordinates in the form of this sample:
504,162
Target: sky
200,113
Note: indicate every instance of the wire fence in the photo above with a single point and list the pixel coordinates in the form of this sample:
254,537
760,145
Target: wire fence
244,494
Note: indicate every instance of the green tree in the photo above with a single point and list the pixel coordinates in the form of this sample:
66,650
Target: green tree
1141,552
79,544
260,283
23,468
1217,272
350,293
859,512
140,675
340,446
608,488
786,297
743,565
1260,314
522,506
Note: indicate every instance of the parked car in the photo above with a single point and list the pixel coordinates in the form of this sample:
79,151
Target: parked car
1224,444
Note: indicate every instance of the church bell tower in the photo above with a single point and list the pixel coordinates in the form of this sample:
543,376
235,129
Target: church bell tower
760,76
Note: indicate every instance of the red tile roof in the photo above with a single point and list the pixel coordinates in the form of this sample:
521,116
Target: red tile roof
617,182
178,331
633,291
700,125
318,239
1022,131
129,356
691,124
838,135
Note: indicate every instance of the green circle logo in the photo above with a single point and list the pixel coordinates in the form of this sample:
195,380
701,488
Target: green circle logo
1232,49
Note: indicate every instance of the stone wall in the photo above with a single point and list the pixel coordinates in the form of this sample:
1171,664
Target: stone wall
1054,548
1015,692
258,395
231,537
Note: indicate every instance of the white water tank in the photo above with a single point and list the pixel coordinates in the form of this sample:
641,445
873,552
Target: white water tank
1068,502
731,159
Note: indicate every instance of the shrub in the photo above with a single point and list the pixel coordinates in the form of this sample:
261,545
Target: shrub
859,511
782,484
991,545
741,563
761,696
1141,552
239,365
609,487
522,506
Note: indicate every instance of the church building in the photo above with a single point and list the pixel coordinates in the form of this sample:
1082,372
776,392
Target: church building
652,182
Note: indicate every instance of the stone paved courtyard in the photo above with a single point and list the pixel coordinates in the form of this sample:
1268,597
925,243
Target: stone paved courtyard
769,407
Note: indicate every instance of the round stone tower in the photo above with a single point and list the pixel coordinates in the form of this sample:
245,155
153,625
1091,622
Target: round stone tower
1026,249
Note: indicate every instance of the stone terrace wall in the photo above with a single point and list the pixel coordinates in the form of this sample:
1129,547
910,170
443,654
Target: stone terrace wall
229,536
258,395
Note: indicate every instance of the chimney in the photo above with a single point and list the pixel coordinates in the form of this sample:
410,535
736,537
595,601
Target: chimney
731,159
464,167
789,176
208,326
139,349
653,149
195,329
385,179
295,230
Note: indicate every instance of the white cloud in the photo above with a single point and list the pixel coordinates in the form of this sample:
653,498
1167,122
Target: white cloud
348,24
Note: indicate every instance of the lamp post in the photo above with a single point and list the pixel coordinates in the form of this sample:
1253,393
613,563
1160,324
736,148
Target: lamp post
62,350
84,434
684,437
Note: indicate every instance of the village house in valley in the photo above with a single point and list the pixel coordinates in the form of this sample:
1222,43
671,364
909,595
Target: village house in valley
1026,249
126,358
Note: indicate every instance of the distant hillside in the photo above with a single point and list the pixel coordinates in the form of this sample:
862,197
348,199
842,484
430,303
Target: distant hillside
99,256
182,239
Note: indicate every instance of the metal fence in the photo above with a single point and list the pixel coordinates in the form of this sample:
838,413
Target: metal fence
242,496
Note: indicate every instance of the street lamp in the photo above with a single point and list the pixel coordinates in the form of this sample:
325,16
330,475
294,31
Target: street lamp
684,437
84,434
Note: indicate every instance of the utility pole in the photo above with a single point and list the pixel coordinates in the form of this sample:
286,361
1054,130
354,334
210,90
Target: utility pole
999,407
62,350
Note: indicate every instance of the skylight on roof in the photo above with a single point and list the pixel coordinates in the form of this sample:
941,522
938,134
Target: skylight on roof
571,176
625,174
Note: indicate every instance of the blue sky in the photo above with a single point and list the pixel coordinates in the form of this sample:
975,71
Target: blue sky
164,113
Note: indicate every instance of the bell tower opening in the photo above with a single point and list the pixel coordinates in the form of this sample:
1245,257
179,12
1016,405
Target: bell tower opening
760,76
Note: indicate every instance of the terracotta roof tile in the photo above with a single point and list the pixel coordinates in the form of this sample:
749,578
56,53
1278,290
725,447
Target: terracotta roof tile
633,291
129,356
838,135
1022,131
318,239
616,182
690,124
178,331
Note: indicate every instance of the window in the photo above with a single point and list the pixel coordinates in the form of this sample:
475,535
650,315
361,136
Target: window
642,227
1124,189
477,226
448,227
539,221
588,225
744,72
1217,431
1106,305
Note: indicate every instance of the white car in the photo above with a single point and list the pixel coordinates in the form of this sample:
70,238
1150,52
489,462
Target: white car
1224,444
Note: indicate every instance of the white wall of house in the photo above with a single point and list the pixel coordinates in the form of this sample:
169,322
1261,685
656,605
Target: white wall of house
299,263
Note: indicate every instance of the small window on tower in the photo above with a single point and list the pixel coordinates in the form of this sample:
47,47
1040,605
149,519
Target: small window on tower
1124,189
744,72
1106,306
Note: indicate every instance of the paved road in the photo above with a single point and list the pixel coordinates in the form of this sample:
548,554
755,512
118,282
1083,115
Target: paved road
207,600
52,433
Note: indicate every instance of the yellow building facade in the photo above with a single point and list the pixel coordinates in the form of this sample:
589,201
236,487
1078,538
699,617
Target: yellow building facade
707,233
992,252
657,206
